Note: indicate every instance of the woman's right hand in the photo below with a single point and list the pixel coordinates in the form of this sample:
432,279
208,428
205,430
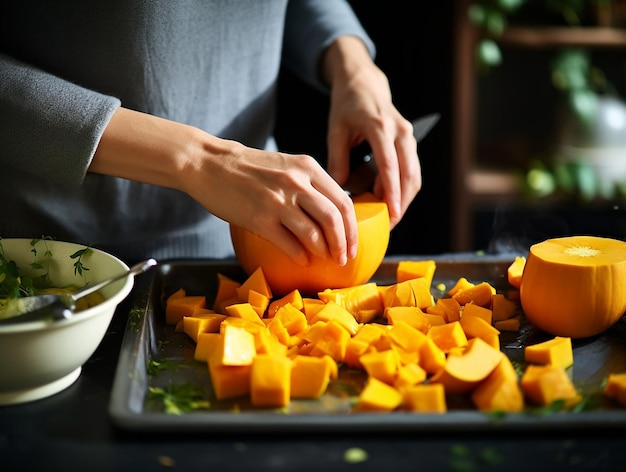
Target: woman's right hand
288,199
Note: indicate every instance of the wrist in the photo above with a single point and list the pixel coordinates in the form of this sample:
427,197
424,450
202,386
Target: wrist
343,58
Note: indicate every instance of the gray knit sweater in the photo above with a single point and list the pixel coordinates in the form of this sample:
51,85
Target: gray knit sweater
65,67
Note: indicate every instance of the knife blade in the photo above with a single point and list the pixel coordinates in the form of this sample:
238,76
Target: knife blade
363,169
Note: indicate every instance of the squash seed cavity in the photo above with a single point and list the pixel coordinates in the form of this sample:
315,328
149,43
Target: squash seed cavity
582,251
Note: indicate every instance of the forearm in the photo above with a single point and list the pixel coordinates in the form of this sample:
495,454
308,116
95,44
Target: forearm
145,148
343,59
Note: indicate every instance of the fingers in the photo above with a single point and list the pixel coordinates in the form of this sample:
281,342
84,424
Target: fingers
311,215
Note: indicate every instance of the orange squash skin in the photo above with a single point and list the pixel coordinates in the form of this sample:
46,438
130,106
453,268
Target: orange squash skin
283,275
575,286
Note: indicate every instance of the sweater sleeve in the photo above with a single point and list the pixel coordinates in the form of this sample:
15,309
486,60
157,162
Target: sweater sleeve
49,126
310,27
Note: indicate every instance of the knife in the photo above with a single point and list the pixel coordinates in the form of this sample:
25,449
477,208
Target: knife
363,169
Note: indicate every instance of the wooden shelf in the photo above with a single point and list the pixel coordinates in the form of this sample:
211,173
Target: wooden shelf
475,185
554,37
483,183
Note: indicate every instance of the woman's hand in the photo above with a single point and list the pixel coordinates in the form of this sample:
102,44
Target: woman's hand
362,110
288,199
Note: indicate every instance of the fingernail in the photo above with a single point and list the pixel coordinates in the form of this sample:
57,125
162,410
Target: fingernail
343,259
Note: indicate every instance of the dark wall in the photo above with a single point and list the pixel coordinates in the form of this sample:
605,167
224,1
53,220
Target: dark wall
414,48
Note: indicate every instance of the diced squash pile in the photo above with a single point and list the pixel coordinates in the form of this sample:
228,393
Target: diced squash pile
414,350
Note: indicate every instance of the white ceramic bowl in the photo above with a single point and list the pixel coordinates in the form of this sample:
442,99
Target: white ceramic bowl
38,359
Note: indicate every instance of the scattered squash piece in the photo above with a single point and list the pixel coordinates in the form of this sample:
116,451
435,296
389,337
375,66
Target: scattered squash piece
409,269
270,380
226,290
502,308
334,311
412,292
206,344
556,352
461,284
381,365
202,323
479,294
500,391
450,309
236,347
425,398
515,271
377,396
545,384
309,376
615,387
409,314
178,307
477,327
362,301
431,357
244,311
294,298
512,324
448,336
257,282
462,373
477,311
409,375
292,318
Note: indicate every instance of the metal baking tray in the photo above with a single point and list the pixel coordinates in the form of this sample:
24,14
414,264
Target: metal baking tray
147,340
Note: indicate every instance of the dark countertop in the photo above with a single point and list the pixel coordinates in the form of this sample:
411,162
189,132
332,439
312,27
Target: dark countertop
72,430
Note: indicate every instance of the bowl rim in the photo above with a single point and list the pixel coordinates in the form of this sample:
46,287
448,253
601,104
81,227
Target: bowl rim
85,315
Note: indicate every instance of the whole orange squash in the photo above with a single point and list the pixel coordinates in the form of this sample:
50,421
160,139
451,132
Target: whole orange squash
575,286
283,275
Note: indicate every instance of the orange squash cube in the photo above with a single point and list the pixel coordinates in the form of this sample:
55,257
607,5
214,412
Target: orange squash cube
178,307
448,336
502,308
477,327
500,391
334,311
545,384
431,357
333,341
425,398
615,387
406,336
294,298
362,301
409,375
270,380
292,318
378,396
202,323
410,269
515,271
257,282
479,294
206,344
556,351
478,311
309,376
244,311
226,290
412,292
460,374
236,347
381,365
409,314
461,284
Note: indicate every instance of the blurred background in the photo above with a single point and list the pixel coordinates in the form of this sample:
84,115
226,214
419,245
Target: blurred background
532,138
